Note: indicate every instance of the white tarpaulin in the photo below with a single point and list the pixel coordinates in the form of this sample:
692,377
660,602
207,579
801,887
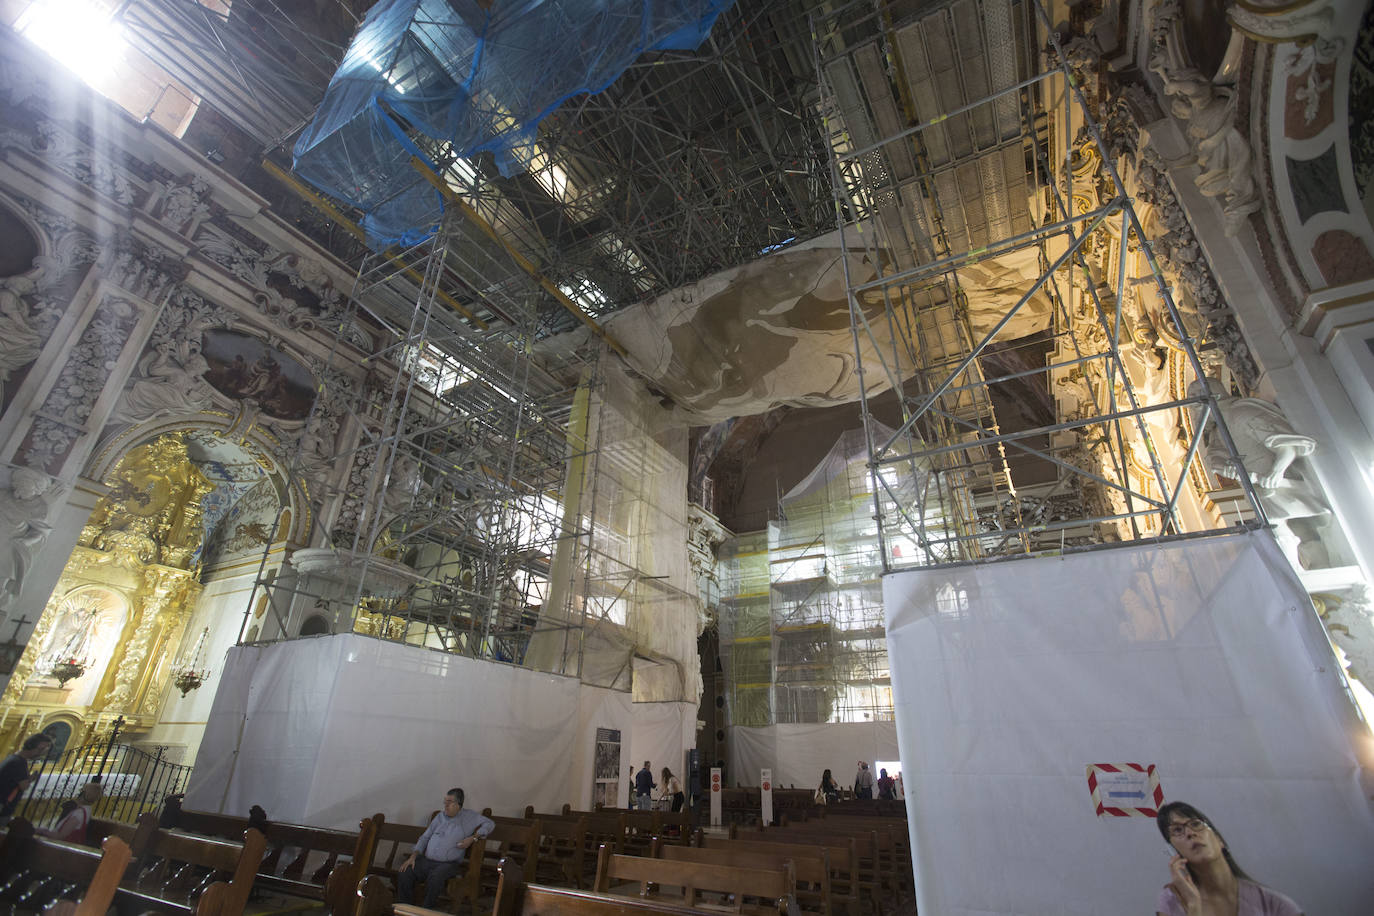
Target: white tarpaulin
798,754
328,730
662,734
1202,657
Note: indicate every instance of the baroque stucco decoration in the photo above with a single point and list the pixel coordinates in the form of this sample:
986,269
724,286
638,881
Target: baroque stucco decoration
1208,110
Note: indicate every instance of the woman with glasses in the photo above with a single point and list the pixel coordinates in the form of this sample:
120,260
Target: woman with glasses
1206,879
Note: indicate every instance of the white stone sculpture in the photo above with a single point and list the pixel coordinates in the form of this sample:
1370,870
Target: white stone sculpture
20,341
24,519
1269,449
1222,151
173,382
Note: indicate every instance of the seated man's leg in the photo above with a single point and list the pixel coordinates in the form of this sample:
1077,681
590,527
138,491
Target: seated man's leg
436,879
405,883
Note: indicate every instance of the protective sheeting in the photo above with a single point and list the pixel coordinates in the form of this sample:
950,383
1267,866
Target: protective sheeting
663,733
1202,657
622,590
468,77
798,754
330,729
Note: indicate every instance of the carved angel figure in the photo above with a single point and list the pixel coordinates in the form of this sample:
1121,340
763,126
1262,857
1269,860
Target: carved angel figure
173,381
20,341
1222,151
23,518
1268,447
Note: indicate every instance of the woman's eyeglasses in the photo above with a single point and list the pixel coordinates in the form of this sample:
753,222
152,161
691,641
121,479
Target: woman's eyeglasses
1196,825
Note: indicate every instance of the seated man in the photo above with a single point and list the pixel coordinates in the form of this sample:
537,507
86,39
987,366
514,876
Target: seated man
440,850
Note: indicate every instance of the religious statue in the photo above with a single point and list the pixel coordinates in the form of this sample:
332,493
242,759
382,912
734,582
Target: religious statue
24,517
20,340
173,381
1268,448
1222,151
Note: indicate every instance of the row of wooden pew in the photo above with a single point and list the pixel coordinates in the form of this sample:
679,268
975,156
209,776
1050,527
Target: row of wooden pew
837,864
142,869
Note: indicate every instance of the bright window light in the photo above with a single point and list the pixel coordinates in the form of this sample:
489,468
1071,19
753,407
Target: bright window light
80,34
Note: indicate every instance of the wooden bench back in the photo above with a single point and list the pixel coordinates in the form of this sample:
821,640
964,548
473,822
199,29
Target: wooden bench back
516,898
841,853
96,875
394,842
330,880
775,885
162,882
810,866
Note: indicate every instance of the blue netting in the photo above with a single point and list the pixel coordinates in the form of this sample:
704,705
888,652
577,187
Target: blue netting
479,80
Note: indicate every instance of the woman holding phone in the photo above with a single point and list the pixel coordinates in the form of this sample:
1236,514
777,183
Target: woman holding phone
1206,881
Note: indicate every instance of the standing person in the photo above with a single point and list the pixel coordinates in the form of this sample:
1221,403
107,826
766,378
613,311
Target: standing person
440,849
14,773
863,782
887,786
830,789
72,827
1206,879
644,787
672,788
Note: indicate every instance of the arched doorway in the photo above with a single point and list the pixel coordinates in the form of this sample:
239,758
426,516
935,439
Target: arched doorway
184,505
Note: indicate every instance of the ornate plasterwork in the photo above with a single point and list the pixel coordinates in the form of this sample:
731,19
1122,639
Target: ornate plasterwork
61,150
32,303
24,508
288,288
1275,21
1196,293
1208,109
167,600
62,417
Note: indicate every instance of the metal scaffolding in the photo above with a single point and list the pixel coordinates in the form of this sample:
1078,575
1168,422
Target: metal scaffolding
472,521
690,163
801,621
958,142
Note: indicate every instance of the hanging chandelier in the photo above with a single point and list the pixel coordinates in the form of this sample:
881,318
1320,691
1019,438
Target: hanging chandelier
189,674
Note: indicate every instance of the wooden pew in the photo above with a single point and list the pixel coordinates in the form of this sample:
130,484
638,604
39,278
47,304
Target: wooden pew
45,875
513,838
897,828
841,855
375,894
562,851
394,843
182,874
877,852
777,887
516,898
810,866
331,880
869,881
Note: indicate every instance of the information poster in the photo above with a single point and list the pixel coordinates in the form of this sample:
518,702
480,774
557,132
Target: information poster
766,795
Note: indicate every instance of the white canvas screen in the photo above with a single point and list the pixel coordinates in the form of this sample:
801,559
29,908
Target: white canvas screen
1203,657
798,754
328,730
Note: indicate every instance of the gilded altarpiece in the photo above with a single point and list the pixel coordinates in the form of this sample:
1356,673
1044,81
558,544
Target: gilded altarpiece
120,608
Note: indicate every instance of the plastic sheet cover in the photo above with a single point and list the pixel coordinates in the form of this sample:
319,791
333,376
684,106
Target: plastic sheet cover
798,754
471,80
330,729
1203,657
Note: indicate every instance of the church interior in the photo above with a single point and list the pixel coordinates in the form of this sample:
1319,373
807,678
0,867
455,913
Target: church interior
422,393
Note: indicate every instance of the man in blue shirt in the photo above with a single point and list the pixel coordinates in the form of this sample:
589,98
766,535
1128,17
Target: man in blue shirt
644,786
440,849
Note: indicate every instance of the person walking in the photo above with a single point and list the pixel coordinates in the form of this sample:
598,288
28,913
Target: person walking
863,781
644,787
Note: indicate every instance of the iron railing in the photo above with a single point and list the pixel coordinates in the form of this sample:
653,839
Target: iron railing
134,780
